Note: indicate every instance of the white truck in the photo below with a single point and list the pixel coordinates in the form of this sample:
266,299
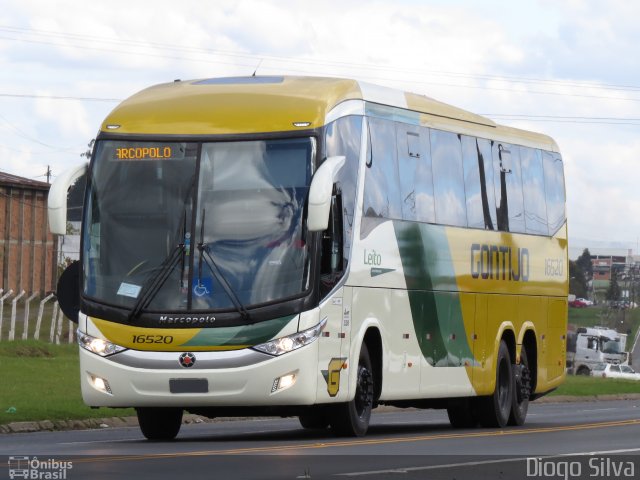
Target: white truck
588,346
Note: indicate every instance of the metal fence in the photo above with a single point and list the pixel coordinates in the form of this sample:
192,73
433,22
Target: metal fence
19,321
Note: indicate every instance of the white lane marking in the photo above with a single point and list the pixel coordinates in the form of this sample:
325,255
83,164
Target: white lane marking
598,409
430,467
484,462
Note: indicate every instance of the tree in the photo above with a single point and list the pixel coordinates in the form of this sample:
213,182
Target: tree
613,292
577,280
584,262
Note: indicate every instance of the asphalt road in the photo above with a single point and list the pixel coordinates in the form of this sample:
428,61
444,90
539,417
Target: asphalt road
410,444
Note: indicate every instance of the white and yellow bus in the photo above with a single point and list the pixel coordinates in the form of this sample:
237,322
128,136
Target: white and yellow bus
315,247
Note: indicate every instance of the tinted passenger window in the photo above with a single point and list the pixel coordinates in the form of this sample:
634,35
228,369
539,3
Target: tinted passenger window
381,190
508,188
478,183
535,205
414,166
448,178
554,188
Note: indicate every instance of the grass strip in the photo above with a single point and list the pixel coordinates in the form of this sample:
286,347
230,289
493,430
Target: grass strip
583,386
41,381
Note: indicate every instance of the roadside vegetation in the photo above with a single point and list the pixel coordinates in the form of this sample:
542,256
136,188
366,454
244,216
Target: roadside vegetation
622,320
41,381
584,386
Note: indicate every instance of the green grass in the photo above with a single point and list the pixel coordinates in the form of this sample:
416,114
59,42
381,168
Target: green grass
42,382
582,385
623,321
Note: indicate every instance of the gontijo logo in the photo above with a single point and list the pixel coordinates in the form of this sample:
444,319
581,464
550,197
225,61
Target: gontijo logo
499,262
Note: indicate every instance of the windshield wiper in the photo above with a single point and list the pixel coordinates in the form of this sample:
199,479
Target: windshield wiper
211,263
151,287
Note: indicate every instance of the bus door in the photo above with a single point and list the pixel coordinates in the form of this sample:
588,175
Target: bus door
336,308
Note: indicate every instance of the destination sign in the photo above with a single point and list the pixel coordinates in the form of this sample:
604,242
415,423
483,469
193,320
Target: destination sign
143,153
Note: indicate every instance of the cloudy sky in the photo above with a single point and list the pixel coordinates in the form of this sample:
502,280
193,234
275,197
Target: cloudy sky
567,68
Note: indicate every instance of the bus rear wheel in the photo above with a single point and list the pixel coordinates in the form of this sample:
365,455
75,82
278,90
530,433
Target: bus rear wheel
494,410
352,418
522,390
158,423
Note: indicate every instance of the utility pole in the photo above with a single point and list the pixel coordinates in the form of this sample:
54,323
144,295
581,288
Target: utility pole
48,174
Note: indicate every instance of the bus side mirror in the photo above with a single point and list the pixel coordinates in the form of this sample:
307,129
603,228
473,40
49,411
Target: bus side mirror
57,200
320,193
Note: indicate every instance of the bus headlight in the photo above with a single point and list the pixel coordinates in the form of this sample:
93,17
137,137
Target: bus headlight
291,342
98,346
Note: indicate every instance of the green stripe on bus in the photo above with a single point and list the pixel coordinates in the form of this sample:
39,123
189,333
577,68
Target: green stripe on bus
433,297
254,334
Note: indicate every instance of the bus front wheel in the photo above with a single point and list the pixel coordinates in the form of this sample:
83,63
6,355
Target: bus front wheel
314,419
159,423
494,410
352,418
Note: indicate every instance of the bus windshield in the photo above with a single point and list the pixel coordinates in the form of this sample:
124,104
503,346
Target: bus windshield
197,226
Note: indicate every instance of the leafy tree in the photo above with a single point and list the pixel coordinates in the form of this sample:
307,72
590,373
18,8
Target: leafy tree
613,292
577,280
584,263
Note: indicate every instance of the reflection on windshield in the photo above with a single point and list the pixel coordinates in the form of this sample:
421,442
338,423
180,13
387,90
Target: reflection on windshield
253,194
140,211
140,199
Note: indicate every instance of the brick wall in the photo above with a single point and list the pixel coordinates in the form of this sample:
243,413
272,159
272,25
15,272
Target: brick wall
27,248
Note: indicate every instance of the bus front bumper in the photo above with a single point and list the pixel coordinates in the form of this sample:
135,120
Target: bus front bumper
227,379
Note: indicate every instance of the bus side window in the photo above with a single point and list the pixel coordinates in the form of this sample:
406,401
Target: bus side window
415,174
508,188
554,189
535,204
448,178
331,264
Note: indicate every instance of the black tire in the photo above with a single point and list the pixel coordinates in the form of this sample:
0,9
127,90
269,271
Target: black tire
462,413
315,419
494,410
352,418
521,390
159,423
583,371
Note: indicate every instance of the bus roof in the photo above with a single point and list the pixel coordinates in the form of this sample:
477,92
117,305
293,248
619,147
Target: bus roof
264,104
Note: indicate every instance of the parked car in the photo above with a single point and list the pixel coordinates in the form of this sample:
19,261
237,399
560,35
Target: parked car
586,301
608,370
618,304
577,303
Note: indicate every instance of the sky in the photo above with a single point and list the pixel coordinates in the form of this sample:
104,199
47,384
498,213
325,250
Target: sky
566,68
